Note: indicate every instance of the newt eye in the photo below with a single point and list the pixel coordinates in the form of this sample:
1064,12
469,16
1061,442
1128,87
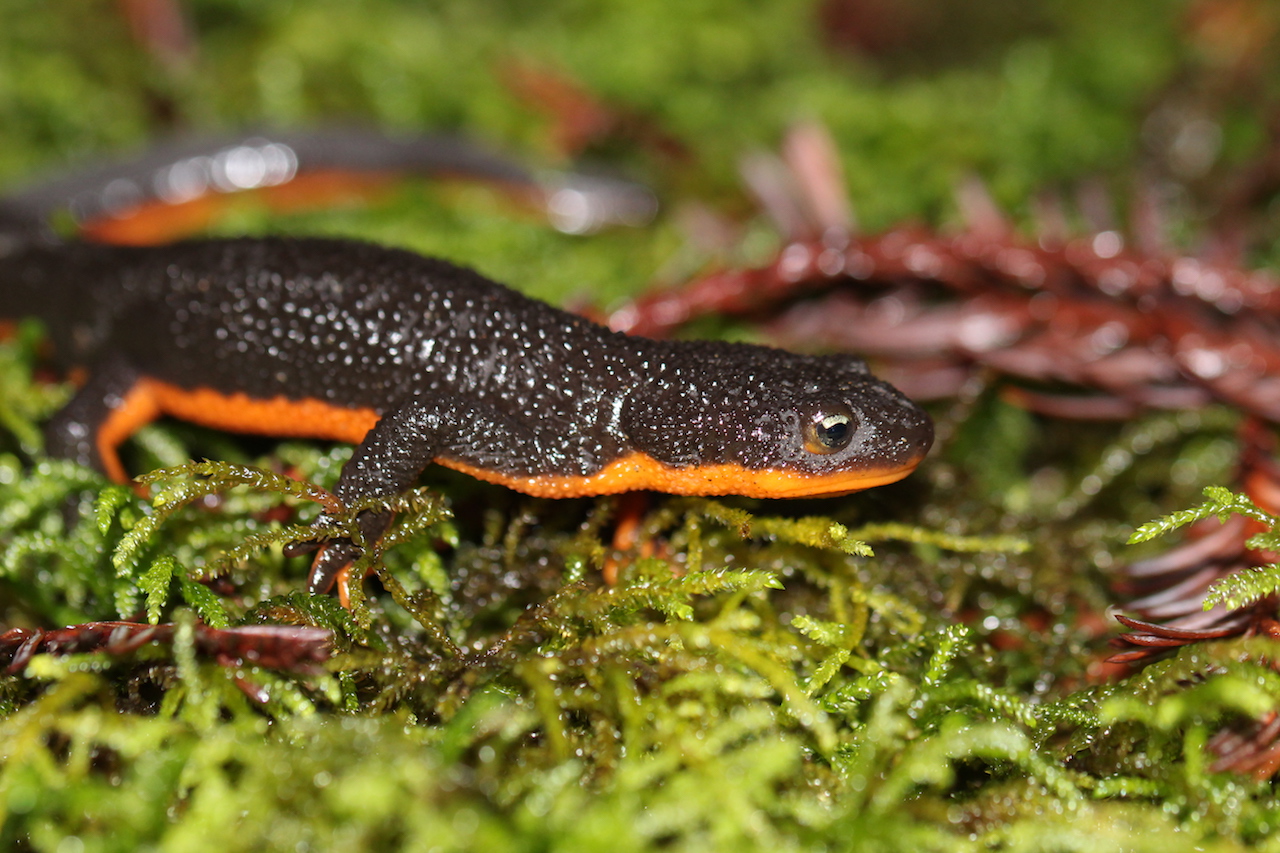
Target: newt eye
829,429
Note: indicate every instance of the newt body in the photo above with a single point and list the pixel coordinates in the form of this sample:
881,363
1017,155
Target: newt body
418,361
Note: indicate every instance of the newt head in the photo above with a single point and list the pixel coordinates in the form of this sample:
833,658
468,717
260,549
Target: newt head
748,420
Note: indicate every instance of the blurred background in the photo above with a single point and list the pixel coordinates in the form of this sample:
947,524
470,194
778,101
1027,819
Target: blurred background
1178,95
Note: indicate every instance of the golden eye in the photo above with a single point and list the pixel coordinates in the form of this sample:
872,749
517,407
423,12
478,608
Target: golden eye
829,430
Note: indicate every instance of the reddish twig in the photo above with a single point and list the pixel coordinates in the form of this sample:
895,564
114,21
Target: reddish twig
283,647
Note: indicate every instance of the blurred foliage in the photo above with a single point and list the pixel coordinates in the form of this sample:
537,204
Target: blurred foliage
758,679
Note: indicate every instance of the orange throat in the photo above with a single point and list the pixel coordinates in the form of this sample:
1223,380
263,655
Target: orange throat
639,472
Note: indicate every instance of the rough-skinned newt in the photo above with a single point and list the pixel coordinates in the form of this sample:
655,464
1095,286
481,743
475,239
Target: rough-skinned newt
416,360
173,188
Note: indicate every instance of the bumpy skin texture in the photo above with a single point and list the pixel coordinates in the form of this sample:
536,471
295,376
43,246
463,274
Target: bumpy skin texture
451,368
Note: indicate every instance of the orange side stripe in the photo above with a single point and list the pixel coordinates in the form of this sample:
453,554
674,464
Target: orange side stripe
638,471
278,416
156,221
139,408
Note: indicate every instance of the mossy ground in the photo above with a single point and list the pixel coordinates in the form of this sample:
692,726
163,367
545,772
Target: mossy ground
787,690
